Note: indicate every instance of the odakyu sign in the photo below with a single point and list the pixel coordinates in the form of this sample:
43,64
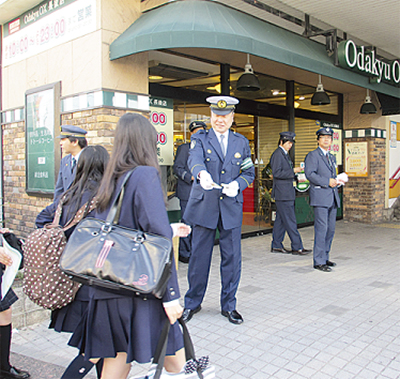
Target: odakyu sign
366,62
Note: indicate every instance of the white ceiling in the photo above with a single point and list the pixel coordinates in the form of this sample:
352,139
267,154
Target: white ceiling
375,22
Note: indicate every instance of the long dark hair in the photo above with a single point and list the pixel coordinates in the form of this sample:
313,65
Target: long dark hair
89,172
135,144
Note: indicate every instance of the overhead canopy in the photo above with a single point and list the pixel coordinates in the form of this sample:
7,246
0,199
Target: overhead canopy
208,24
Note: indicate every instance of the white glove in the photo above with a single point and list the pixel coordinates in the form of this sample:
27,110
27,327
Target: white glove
231,189
180,229
342,178
206,180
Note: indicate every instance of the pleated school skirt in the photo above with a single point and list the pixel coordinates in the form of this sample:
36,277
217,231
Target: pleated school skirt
8,300
130,324
67,318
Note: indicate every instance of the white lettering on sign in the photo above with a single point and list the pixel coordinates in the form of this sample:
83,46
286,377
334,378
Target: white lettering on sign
365,61
58,27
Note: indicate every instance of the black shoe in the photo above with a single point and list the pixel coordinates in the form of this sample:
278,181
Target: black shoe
324,268
233,316
280,250
183,259
301,252
14,373
188,313
331,264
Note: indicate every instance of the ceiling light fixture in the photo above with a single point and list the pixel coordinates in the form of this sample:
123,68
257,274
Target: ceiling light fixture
248,81
320,97
368,107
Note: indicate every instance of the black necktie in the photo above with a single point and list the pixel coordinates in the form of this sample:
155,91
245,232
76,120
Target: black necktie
73,163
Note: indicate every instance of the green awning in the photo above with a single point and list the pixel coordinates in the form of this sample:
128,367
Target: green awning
208,24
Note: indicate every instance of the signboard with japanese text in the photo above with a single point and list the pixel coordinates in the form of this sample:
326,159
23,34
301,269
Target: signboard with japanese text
162,118
336,146
356,161
41,120
49,24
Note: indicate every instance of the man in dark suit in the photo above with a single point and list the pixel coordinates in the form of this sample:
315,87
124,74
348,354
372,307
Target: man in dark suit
184,185
220,161
283,192
321,171
72,142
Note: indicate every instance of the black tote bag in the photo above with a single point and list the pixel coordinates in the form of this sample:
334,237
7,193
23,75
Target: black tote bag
104,254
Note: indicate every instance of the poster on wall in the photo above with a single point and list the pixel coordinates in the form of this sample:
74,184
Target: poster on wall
356,159
393,134
162,118
49,24
336,146
41,127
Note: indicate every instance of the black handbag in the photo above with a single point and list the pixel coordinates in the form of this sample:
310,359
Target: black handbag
104,254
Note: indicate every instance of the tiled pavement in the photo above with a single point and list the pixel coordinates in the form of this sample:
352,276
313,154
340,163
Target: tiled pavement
299,322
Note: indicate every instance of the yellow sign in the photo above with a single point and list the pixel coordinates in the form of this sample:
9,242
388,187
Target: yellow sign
356,159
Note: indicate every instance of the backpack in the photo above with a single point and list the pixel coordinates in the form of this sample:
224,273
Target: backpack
44,283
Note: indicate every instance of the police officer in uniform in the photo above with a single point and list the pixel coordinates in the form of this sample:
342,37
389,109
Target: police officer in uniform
220,161
72,142
284,194
321,171
184,185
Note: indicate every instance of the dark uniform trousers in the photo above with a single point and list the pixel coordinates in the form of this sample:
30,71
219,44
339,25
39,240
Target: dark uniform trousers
210,210
319,168
286,222
200,261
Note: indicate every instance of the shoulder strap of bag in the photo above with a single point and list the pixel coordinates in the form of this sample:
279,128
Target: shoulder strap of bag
159,355
57,216
82,212
115,210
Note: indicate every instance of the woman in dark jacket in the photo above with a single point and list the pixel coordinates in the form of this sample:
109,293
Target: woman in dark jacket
89,172
123,328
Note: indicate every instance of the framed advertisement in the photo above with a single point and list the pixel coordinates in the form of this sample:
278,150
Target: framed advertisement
356,159
42,125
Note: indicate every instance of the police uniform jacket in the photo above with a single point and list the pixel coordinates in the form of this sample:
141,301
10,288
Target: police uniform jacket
65,176
205,207
318,171
181,170
283,175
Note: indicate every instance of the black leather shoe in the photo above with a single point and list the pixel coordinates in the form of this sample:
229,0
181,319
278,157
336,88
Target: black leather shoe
233,316
14,373
188,313
301,252
324,268
183,259
280,250
331,264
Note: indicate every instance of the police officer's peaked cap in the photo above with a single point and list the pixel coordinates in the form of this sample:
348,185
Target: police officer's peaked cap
72,131
222,105
290,136
197,124
324,131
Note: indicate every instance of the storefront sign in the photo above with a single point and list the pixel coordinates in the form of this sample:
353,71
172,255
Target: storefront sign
366,62
162,118
40,123
356,163
51,23
336,146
